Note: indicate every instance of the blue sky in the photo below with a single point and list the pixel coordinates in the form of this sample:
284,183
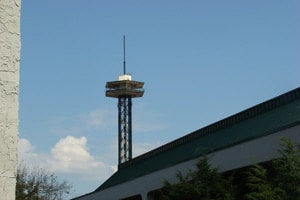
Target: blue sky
201,61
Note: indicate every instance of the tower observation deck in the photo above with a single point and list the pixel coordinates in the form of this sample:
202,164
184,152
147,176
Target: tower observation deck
124,89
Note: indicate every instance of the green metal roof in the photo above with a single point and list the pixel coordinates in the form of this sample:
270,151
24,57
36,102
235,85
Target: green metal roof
276,114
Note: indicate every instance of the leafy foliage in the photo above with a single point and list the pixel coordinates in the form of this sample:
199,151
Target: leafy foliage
256,181
287,168
39,184
204,183
279,181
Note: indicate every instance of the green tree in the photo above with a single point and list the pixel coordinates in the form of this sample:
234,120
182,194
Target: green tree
203,183
257,185
279,181
283,182
39,184
287,170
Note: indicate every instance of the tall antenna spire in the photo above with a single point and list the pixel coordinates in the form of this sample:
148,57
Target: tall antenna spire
124,62
124,89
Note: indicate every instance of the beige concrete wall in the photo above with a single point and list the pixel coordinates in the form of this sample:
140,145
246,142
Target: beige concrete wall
9,92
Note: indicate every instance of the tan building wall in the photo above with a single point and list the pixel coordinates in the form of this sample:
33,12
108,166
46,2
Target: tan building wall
9,94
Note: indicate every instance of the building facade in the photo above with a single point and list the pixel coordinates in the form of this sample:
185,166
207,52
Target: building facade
246,138
9,95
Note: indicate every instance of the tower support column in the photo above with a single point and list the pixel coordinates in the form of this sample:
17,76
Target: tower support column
124,128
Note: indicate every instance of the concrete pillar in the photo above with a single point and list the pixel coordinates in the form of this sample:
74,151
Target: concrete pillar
9,95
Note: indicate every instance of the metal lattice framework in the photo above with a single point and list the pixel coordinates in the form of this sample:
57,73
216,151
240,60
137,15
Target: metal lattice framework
124,129
124,89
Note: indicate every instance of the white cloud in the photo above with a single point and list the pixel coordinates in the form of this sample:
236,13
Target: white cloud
69,155
24,146
71,149
26,155
70,158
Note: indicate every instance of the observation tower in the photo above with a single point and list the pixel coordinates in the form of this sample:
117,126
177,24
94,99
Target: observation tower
124,89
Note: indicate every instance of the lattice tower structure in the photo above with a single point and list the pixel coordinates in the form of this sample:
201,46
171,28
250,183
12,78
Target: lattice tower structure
124,90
